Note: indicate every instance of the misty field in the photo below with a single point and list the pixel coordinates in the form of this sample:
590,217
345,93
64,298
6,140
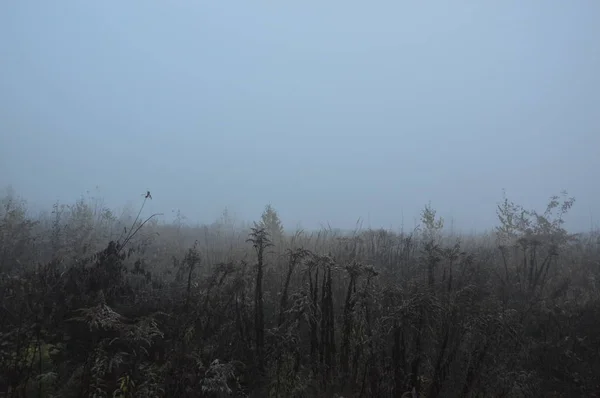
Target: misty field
94,304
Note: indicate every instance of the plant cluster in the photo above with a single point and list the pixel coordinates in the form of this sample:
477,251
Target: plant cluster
92,305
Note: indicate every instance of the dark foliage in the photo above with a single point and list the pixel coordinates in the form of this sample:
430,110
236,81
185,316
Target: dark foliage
376,314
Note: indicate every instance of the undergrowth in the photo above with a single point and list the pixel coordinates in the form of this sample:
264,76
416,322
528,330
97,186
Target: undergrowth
93,305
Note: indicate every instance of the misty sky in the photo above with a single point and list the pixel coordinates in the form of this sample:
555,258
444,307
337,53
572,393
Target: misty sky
329,110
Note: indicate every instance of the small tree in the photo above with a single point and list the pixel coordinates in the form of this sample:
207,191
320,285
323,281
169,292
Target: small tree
432,225
271,223
536,239
432,233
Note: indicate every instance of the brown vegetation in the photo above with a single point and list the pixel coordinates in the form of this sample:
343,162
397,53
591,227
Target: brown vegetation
95,305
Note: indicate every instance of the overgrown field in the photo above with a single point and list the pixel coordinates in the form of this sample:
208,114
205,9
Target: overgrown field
94,305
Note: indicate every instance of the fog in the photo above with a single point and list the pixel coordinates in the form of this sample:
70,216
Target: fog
330,111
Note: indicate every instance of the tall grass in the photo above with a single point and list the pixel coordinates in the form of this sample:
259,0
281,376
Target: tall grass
98,305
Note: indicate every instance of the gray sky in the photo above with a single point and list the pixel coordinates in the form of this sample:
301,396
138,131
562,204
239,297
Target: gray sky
329,110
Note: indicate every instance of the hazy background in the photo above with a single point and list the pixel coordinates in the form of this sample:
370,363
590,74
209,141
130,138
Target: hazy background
329,110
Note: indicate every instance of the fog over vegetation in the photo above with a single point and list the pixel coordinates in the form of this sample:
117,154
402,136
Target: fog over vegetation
275,199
